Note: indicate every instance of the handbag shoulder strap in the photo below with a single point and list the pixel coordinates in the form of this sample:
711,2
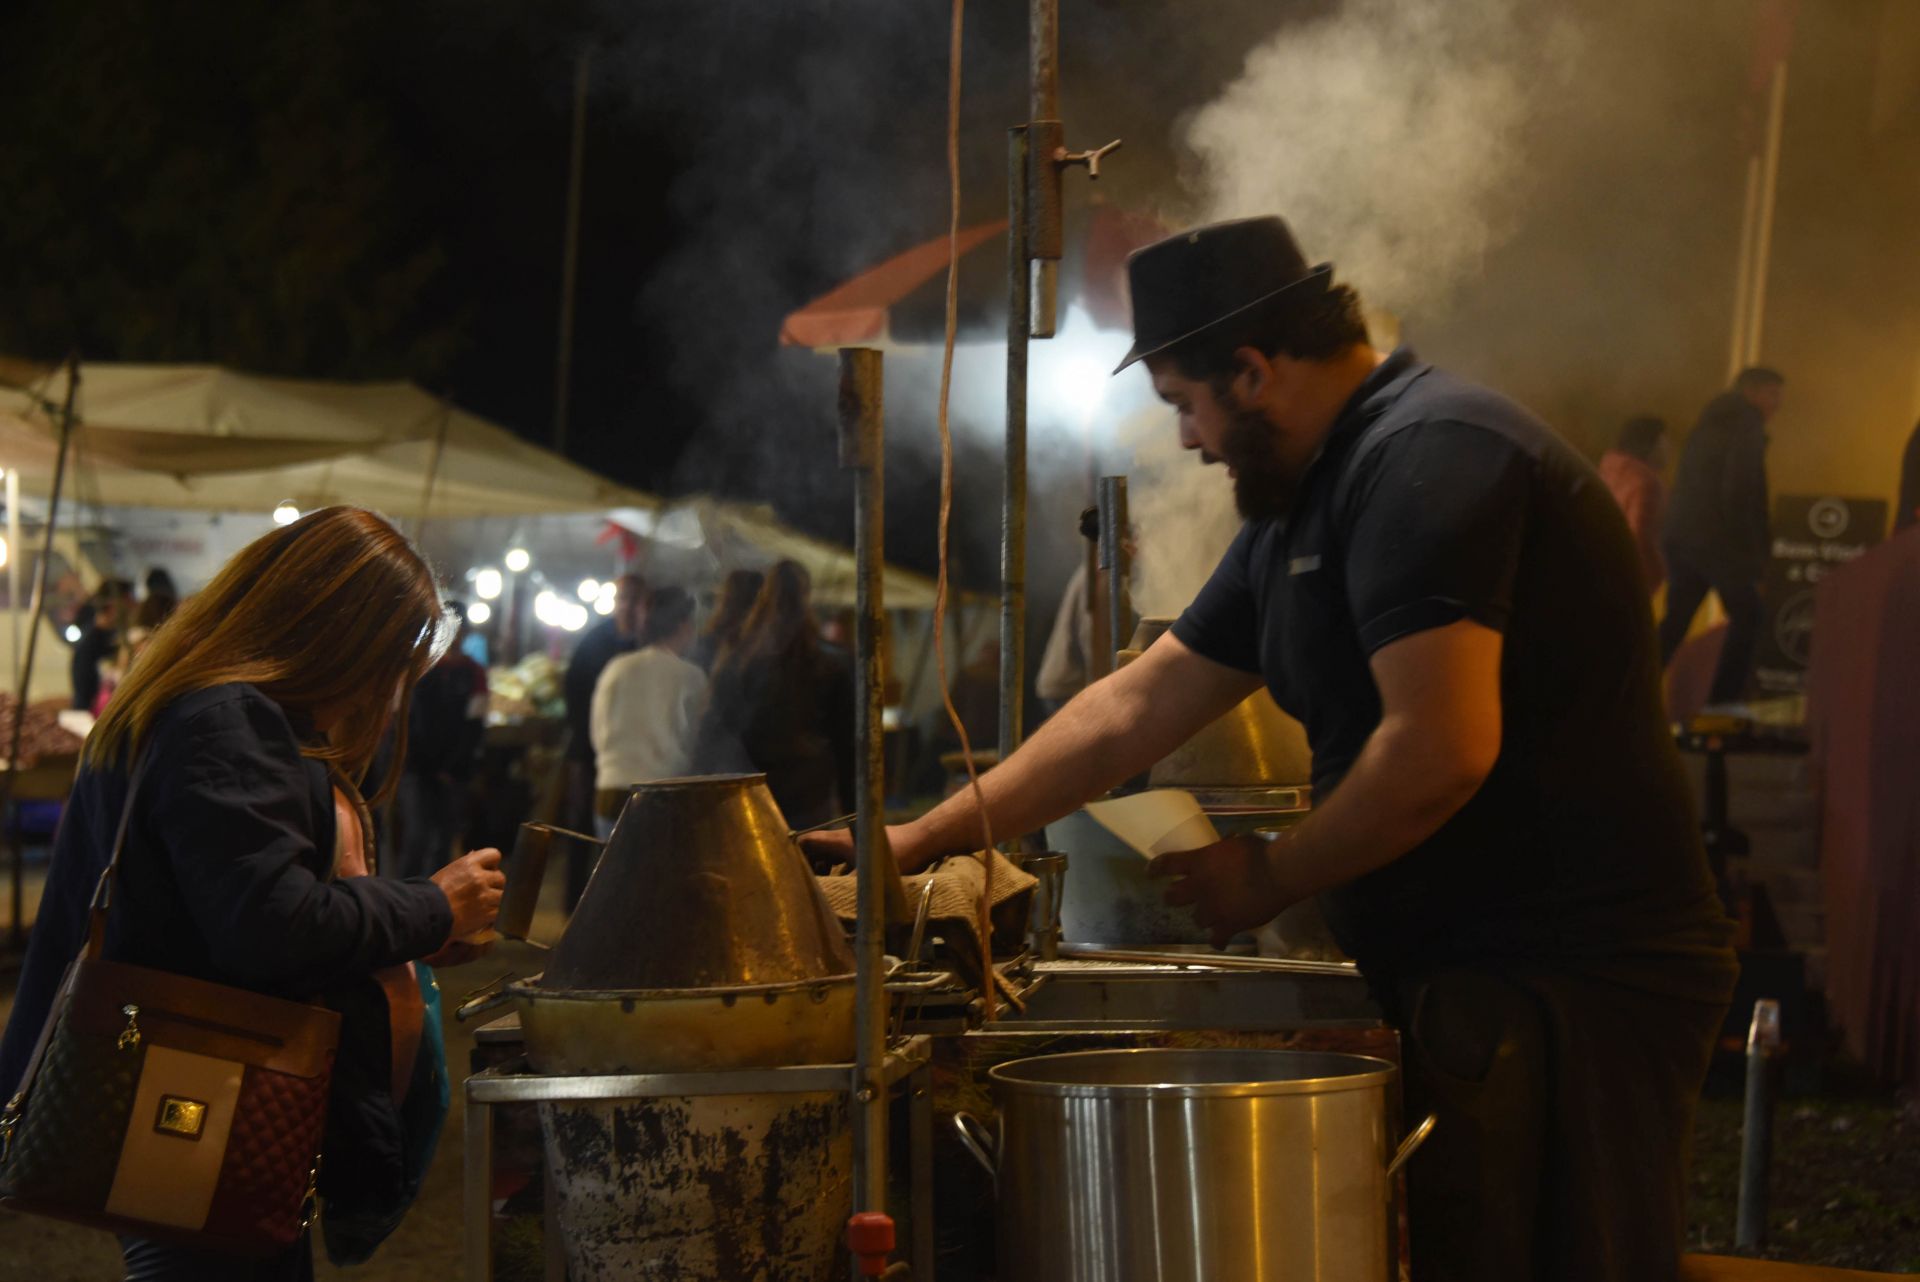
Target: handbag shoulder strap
89,951
103,889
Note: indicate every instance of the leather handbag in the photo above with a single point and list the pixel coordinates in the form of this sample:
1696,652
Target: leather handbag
165,1107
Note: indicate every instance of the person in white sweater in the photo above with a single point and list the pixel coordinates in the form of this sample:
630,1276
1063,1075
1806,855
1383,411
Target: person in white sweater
646,707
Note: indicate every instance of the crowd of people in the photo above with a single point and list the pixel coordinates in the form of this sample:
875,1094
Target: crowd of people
758,690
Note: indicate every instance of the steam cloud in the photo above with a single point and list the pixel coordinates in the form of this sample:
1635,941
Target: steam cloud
1388,135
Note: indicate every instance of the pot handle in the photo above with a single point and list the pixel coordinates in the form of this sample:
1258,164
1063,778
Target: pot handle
977,1140
1413,1141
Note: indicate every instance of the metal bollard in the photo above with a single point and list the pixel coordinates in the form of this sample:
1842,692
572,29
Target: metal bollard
1756,1130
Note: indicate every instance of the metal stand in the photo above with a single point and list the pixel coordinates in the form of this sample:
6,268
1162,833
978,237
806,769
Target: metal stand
908,1062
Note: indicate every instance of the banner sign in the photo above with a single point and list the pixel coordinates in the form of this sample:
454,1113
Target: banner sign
1811,535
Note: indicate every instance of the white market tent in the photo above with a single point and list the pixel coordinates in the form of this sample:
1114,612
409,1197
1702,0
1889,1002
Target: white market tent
206,438
199,437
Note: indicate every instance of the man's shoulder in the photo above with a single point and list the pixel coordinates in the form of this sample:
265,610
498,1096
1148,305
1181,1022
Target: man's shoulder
1471,415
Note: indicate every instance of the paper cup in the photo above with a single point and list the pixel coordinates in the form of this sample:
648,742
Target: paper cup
1156,822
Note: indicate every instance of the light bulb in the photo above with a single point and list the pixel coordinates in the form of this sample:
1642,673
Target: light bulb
286,514
487,583
478,613
589,589
518,559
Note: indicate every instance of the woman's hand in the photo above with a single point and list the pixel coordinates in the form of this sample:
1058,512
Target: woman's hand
1231,884
473,885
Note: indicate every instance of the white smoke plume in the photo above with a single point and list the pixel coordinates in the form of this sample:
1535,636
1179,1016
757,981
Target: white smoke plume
1388,135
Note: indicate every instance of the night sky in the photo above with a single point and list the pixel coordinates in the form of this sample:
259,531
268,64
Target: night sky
362,189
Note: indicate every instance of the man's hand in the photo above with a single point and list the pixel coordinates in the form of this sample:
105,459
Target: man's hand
826,849
1231,884
473,885
457,952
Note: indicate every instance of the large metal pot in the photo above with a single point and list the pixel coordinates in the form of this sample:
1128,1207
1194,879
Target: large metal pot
1255,745
1177,1165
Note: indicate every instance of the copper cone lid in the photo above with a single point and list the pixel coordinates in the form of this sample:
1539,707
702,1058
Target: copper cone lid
700,887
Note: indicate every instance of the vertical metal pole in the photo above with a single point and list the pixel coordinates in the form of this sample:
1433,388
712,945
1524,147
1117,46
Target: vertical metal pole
861,453
570,253
478,1191
1743,277
1113,558
13,565
1769,199
1099,644
1043,164
1756,1131
1013,505
18,927
920,1137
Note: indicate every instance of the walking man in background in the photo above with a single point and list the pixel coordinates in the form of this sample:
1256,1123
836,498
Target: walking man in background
1718,535
1633,471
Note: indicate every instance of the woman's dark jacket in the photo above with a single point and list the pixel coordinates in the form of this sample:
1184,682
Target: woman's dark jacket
225,878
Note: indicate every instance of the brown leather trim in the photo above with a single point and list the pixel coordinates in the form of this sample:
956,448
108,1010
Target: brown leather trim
205,1019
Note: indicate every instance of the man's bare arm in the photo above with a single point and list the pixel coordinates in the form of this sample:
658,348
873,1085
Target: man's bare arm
1111,731
1438,738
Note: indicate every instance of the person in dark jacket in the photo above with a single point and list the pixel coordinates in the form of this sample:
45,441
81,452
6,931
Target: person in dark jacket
598,646
259,703
737,595
444,731
782,705
103,620
1717,531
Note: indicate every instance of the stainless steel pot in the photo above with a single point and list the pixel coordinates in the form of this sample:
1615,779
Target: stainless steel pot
1174,1165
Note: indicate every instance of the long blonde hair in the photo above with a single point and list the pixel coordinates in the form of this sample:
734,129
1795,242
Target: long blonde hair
336,610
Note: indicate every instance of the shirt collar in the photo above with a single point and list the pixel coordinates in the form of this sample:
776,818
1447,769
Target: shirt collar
1388,382
1380,389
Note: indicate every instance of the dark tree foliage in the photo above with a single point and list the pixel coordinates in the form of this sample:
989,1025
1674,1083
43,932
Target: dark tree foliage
192,182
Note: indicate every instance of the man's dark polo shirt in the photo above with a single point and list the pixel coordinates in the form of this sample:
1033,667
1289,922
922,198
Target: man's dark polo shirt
1433,501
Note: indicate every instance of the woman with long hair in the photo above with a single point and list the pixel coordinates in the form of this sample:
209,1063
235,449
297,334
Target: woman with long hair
247,719
737,595
782,704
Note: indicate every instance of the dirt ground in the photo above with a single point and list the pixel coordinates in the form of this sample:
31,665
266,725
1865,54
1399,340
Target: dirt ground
1845,1178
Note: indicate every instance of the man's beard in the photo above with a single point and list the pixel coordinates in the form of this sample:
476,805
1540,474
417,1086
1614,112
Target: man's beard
1264,486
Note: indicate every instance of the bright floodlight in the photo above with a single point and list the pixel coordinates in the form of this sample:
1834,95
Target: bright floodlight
518,559
589,589
478,613
546,608
1080,383
73,632
286,514
603,603
573,617
487,584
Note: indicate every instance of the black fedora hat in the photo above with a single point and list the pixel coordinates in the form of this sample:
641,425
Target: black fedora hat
1191,282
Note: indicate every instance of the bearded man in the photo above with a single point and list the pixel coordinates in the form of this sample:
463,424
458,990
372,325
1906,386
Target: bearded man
1446,595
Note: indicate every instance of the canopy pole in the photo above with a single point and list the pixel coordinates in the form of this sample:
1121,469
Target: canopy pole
862,453
433,465
18,927
1013,495
13,565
